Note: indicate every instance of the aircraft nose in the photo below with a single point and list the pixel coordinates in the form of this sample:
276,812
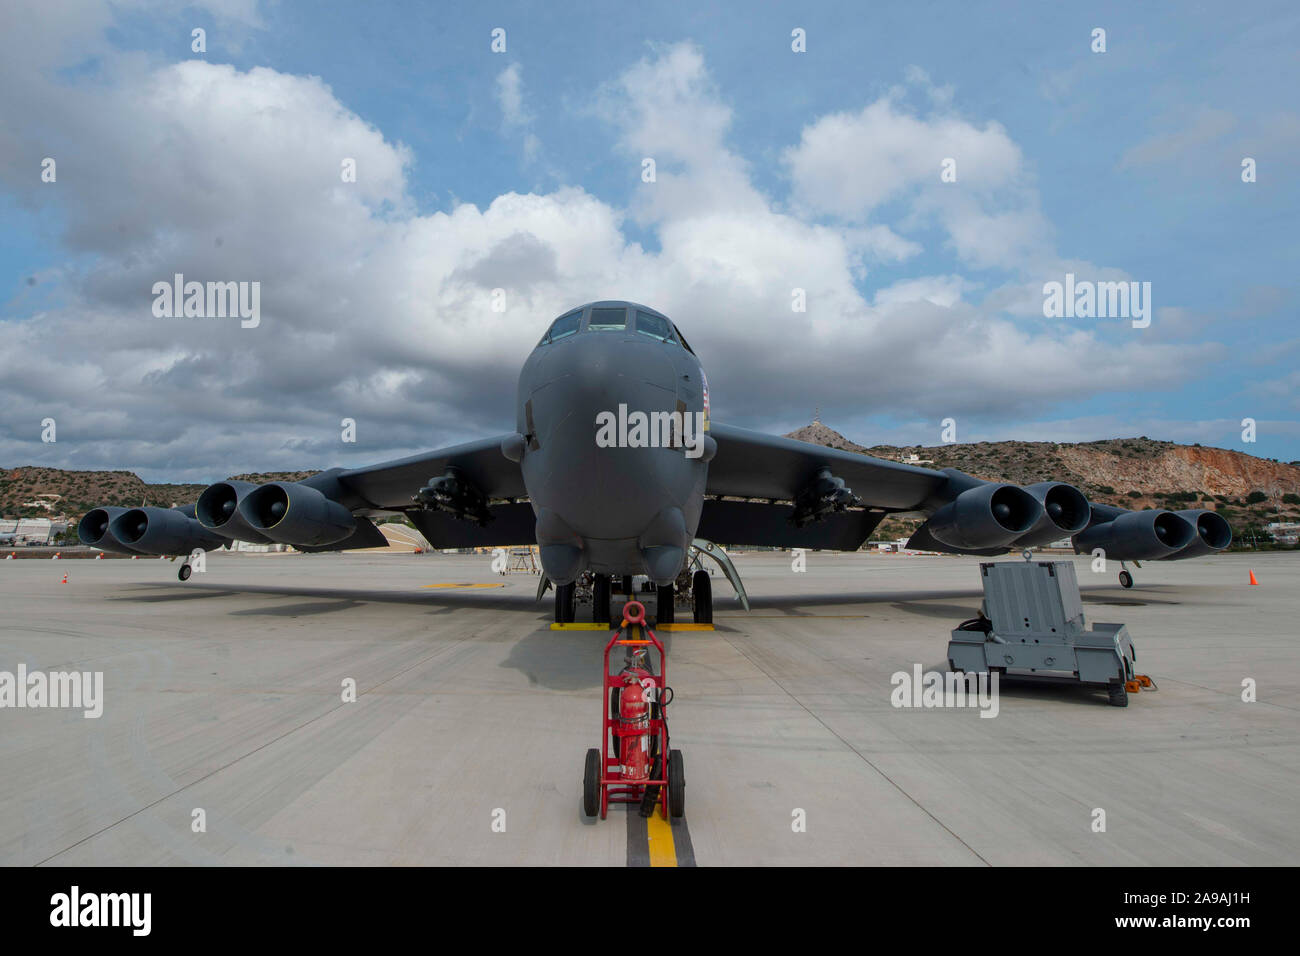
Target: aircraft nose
601,492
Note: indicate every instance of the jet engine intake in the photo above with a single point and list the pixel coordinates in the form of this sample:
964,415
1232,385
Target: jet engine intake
986,516
293,513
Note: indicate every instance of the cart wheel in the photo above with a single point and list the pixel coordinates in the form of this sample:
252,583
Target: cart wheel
185,572
650,798
613,713
591,783
676,784
1118,693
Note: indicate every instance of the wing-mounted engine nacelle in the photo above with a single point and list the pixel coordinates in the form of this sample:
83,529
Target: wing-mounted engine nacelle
823,495
218,510
96,529
162,531
988,515
1137,535
1213,534
294,513
454,493
1065,512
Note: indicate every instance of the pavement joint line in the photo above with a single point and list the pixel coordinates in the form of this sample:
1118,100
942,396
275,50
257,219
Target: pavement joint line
231,763
1236,695
863,757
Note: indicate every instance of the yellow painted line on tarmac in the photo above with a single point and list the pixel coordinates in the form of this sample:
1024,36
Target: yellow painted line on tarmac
684,627
659,834
462,584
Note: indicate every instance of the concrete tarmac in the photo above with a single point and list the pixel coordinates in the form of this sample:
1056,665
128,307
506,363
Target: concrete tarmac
223,704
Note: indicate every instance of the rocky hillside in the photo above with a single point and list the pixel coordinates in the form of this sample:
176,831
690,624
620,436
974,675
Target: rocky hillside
83,490
1130,472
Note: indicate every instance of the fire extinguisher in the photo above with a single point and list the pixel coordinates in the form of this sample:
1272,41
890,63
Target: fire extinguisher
634,715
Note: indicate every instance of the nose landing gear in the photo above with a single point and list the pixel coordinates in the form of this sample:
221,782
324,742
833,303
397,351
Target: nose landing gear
564,603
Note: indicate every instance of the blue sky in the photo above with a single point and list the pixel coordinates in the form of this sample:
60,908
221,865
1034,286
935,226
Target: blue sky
1117,164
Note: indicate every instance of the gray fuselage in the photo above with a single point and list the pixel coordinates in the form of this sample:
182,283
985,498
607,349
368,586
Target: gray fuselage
628,508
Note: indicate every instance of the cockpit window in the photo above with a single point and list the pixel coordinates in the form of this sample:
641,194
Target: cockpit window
655,326
681,338
564,325
607,320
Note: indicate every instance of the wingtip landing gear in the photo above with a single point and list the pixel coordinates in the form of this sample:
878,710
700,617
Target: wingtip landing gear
185,572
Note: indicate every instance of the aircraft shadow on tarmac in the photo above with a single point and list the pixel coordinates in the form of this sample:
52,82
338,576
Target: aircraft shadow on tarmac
917,602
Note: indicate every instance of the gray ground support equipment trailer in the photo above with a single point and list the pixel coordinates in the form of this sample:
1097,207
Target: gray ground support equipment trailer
1032,627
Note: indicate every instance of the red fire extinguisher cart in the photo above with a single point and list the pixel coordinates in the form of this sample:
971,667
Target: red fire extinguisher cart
634,763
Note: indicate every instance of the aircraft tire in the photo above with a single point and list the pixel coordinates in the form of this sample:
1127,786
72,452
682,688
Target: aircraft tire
664,604
600,598
702,597
564,594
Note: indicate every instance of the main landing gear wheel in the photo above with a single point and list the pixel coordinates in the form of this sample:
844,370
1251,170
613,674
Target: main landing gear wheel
600,598
591,783
564,603
1125,579
676,784
185,572
664,604
702,597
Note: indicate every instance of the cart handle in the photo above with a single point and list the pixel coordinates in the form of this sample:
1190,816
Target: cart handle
634,612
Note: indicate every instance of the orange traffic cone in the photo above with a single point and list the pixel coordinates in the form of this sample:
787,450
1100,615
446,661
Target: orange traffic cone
1252,578
65,578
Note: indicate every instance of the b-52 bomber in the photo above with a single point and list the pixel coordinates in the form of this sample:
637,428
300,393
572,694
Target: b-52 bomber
615,472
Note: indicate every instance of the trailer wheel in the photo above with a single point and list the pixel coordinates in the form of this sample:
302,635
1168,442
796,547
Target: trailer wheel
1118,693
614,696
702,597
676,784
185,572
591,783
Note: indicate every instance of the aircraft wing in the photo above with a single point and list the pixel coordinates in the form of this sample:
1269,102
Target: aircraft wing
750,464
768,490
392,484
779,477
465,499
481,469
